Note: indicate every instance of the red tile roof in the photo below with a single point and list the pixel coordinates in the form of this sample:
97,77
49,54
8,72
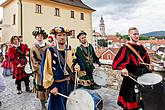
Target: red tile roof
153,41
113,38
100,51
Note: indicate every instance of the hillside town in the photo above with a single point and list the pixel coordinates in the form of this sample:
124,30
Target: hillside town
52,47
155,48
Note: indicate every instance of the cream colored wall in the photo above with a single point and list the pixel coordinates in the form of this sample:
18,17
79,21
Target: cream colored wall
8,29
47,20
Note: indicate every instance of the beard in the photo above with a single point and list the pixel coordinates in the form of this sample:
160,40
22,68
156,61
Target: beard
61,43
134,40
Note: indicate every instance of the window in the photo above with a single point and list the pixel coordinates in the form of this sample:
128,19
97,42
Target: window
38,8
73,33
38,28
110,43
81,16
14,19
72,14
109,56
57,12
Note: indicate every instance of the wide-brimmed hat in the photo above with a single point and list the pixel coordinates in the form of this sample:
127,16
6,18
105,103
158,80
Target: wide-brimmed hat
81,33
37,32
61,29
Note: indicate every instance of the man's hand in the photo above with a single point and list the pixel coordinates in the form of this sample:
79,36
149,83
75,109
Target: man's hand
54,91
151,67
77,68
124,72
19,65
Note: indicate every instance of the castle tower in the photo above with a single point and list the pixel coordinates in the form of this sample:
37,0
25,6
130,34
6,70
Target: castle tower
102,27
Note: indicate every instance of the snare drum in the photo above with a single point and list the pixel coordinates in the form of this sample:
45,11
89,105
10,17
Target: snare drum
100,77
152,92
85,100
28,69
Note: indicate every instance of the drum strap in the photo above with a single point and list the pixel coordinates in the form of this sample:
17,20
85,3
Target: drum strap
130,47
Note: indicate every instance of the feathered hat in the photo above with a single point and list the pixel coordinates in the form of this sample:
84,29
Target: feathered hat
51,38
61,29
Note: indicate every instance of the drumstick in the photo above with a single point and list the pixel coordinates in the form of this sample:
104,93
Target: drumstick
148,64
67,97
145,64
135,80
75,82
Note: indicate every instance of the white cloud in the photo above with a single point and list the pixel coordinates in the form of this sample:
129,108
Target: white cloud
120,15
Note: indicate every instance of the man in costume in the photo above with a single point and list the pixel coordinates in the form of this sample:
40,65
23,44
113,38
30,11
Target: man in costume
17,53
51,41
36,53
127,61
58,66
85,52
21,39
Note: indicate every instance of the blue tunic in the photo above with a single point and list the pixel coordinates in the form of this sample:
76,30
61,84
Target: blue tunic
54,71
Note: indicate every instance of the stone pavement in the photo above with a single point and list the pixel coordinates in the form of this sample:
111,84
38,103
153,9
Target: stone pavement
27,101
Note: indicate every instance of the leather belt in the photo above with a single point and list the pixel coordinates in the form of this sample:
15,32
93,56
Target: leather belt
62,80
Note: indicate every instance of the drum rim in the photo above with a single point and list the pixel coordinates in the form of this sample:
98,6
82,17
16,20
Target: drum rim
139,79
95,80
80,90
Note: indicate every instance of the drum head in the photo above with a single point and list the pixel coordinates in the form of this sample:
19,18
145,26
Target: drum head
27,69
100,77
150,79
83,101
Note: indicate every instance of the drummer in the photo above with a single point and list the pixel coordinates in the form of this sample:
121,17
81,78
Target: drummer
35,57
130,64
58,66
87,55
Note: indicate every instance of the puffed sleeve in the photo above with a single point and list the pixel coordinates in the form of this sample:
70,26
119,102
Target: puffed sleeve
46,69
121,59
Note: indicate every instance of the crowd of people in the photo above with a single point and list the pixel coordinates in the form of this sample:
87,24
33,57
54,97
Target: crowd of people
56,65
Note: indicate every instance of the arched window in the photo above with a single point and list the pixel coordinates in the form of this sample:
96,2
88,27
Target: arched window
109,56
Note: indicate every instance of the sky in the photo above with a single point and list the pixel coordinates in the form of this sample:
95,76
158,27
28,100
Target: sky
120,15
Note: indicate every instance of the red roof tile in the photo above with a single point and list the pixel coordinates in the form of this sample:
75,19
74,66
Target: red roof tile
153,41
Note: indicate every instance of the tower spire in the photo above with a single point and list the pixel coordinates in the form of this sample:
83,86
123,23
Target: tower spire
102,27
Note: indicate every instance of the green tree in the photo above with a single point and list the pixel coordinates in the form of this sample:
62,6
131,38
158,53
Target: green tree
144,38
102,42
125,37
118,35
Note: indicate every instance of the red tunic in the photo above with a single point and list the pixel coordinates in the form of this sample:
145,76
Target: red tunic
6,62
17,56
126,58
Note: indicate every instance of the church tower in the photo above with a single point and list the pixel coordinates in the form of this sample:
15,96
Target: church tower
102,27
